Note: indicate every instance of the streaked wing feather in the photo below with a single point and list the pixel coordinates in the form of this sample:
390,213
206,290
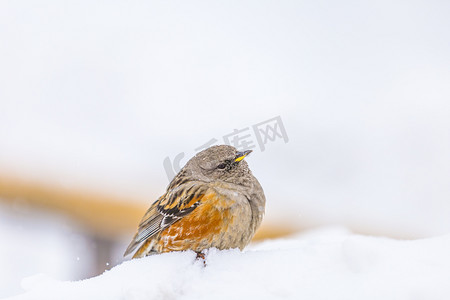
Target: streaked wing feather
153,227
168,209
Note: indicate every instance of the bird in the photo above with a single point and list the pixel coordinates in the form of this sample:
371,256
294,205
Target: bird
213,202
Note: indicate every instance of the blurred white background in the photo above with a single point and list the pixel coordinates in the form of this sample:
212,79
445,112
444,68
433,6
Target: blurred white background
97,94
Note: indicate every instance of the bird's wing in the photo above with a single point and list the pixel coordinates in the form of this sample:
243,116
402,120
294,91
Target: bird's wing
169,208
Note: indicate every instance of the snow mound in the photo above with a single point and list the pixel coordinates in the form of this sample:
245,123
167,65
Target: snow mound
325,264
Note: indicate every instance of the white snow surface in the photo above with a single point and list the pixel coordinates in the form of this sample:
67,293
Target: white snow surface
322,264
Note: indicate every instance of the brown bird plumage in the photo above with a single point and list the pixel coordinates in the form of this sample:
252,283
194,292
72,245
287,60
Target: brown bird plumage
214,201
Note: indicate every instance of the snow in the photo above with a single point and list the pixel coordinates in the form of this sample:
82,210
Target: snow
34,241
97,94
323,264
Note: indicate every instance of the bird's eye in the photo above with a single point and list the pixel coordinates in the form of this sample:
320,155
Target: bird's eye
222,166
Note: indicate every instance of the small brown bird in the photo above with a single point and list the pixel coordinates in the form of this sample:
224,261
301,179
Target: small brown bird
214,201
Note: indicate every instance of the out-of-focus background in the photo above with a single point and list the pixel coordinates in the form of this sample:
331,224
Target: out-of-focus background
100,102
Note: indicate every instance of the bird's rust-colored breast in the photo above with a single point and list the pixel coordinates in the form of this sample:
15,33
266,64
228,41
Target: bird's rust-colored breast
200,229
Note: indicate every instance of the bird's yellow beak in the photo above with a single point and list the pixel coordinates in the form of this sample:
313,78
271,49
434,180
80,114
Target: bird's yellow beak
241,155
